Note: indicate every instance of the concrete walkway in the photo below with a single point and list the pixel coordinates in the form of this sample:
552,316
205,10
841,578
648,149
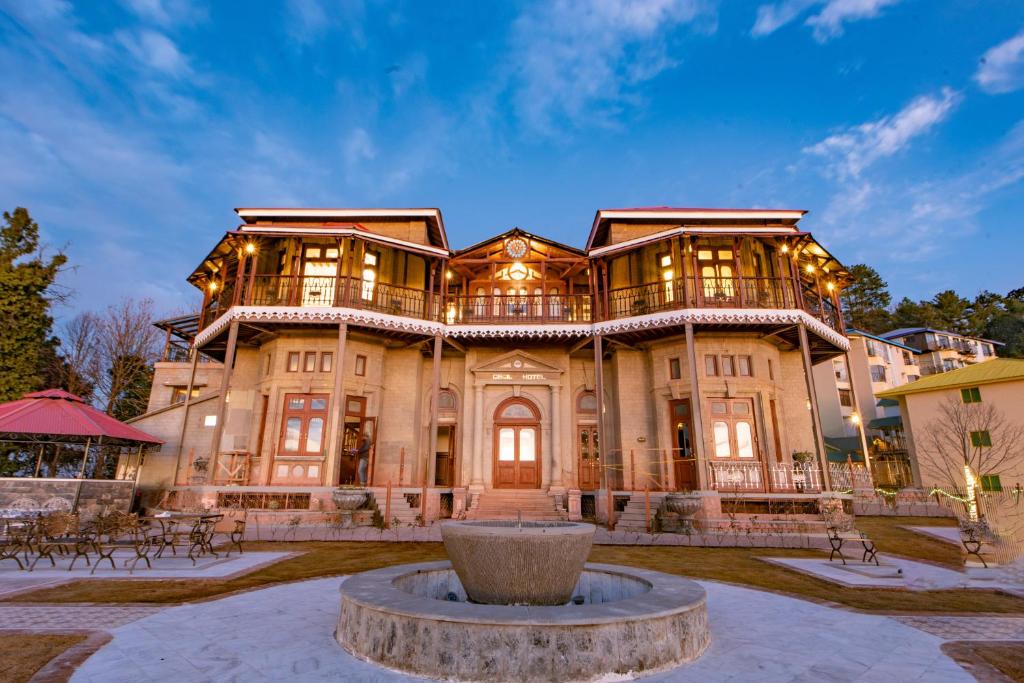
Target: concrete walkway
71,617
286,633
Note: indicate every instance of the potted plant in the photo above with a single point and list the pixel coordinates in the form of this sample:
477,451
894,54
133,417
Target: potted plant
801,461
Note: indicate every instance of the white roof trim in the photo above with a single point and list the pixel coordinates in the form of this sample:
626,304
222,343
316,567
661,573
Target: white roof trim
346,213
682,229
750,214
345,232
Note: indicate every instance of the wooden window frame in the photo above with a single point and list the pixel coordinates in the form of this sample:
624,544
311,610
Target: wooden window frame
727,365
309,362
675,368
297,357
740,361
327,361
305,415
713,365
359,367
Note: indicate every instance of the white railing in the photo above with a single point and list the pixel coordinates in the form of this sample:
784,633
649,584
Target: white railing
753,476
845,476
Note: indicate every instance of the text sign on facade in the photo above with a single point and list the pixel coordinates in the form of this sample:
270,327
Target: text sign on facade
519,376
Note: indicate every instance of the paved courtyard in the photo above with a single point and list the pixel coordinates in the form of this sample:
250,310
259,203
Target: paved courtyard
285,633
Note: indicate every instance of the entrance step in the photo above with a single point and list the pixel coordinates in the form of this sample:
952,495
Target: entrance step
507,504
634,517
405,504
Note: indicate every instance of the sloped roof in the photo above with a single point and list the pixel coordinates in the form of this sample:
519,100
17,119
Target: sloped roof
906,331
989,372
57,413
853,330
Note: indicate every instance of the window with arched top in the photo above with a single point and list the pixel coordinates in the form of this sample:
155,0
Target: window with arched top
586,402
446,401
516,410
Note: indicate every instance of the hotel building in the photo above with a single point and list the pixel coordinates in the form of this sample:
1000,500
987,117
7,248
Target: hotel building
673,351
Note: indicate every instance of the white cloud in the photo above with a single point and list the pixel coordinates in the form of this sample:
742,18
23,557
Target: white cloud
1002,66
309,20
851,151
165,12
358,148
156,51
579,60
826,23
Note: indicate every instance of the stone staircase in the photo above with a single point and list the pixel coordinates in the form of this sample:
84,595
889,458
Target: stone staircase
506,504
400,507
633,517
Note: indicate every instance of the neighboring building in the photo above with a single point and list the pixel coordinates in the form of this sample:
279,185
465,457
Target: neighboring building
672,352
998,383
848,390
943,351
875,365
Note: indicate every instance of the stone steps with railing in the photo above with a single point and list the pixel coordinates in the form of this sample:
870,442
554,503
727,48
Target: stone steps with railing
507,505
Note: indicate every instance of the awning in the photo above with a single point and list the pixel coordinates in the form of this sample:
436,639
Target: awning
59,415
887,403
843,449
884,422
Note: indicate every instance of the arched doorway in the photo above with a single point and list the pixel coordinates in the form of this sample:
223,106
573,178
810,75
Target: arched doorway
516,445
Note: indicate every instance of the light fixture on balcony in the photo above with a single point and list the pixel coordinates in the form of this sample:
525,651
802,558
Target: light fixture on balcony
517,271
448,274
830,286
855,418
785,249
809,268
250,248
213,286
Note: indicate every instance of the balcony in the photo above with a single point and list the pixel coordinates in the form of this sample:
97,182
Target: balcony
512,309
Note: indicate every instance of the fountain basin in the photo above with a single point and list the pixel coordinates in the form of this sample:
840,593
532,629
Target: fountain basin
631,620
513,563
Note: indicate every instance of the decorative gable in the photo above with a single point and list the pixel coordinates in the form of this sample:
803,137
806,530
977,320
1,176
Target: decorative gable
517,362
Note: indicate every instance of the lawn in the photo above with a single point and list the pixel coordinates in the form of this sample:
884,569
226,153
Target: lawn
890,538
23,654
734,565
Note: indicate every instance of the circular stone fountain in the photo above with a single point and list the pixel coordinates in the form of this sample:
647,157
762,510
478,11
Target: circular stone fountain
500,611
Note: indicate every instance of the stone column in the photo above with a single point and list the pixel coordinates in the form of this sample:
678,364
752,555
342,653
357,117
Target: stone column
477,476
556,485
696,410
435,389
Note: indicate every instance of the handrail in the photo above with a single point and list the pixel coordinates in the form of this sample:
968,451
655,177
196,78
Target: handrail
622,302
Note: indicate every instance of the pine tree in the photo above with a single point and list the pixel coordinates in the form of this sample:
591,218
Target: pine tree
866,300
26,288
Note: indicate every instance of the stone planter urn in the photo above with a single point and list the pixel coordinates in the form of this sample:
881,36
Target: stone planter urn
348,500
509,563
682,504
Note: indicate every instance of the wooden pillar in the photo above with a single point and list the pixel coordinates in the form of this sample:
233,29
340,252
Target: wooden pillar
334,430
435,391
602,433
781,276
236,297
812,396
249,294
696,410
225,383
184,410
81,473
737,247
167,345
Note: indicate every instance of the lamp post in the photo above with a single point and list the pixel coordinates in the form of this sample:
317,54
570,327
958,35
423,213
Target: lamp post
855,419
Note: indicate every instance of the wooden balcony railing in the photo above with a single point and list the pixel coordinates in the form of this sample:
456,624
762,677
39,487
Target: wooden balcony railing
504,308
690,292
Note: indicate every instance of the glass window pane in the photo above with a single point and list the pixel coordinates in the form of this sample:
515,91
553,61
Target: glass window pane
318,404
296,403
724,254
293,361
516,411
527,445
727,366
741,408
314,435
718,408
506,444
588,403
721,431
331,254
312,252
291,434
710,366
744,365
370,259
310,364
326,361
354,407
705,254
744,440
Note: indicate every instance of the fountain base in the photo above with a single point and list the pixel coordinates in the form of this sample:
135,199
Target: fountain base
416,618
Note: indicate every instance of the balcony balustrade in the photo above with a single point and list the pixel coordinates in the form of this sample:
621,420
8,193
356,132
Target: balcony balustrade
623,302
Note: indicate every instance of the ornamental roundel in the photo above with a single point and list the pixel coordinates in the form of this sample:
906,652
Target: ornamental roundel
516,248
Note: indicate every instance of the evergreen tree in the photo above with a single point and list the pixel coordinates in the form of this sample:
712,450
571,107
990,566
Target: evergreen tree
866,300
26,287
950,312
909,313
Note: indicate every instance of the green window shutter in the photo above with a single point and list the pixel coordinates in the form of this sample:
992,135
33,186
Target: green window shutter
991,482
965,395
971,395
976,395
982,438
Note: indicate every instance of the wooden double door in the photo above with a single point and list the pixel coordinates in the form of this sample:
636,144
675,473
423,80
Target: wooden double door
517,453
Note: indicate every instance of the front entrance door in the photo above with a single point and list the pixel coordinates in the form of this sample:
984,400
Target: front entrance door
683,457
516,445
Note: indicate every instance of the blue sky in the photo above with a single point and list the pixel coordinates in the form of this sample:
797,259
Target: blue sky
131,129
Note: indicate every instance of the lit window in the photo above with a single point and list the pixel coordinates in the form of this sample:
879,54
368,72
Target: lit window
178,394
293,361
722,448
744,440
